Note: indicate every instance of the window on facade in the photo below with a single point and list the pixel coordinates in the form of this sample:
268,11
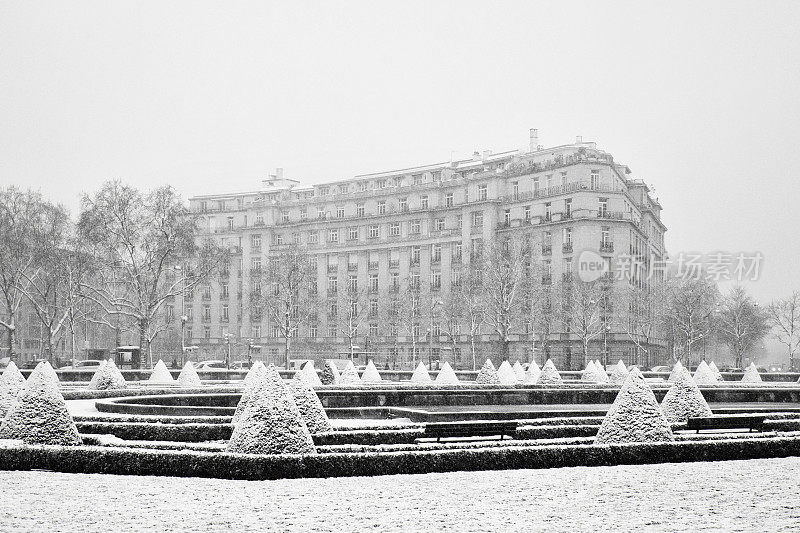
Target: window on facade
373,231
568,207
225,312
373,307
567,235
424,202
303,213
605,233
535,184
333,284
563,178
331,330
230,223
255,263
415,254
312,330
507,217
278,239
373,282
259,219
382,207
602,206
515,189
438,224
224,290
395,277
343,188
333,235
436,279
403,203
352,233
285,216
477,218
320,212
448,200
206,312
414,281
415,227
595,180
340,212
548,210
482,193
373,329
394,229
360,210
207,332
255,242
313,237
352,283
459,221
436,252
362,186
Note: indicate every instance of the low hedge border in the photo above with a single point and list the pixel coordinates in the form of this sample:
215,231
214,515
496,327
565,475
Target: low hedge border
154,419
183,463
86,394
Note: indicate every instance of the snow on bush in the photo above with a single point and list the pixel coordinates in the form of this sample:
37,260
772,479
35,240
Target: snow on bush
13,378
487,374
602,376
309,373
533,373
370,374
265,377
446,375
420,374
40,415
107,377
271,422
519,372
330,374
590,373
549,374
160,374
751,374
704,375
506,374
619,374
310,406
715,370
676,370
684,399
255,373
349,375
635,415
188,376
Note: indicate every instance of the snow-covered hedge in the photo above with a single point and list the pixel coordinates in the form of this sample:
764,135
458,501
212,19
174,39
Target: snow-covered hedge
130,461
309,406
684,399
487,374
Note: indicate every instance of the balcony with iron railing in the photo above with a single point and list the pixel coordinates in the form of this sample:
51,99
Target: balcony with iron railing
615,215
373,265
333,268
352,268
547,249
566,248
393,263
606,247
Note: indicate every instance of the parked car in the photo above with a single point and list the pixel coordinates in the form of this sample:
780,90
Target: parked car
661,368
240,365
88,364
210,365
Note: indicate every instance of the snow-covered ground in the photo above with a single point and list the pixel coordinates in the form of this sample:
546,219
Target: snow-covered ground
757,495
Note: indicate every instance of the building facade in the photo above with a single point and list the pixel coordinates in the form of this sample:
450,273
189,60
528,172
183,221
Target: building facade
416,226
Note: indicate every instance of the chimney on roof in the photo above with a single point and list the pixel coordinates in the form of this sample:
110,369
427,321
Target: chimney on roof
476,156
486,154
279,173
534,145
578,139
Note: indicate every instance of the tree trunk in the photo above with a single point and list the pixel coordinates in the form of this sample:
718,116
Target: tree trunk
474,354
144,348
11,335
286,346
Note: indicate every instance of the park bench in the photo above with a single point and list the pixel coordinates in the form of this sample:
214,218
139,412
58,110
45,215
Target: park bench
470,429
746,421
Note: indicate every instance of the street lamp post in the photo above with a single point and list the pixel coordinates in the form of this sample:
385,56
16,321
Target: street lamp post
606,330
228,340
184,319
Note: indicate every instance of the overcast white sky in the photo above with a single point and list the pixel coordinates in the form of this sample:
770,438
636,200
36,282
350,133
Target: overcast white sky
700,99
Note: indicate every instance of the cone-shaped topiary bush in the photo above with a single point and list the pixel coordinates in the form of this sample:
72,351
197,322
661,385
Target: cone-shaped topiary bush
704,375
487,374
255,373
107,377
188,376
619,374
370,374
533,373
40,416
602,376
310,406
160,374
506,374
590,373
519,372
309,374
684,399
751,374
271,422
549,374
420,374
446,375
635,415
715,370
676,370
349,375
264,377
13,378
330,374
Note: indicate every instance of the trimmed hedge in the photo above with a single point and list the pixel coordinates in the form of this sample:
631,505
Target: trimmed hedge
158,432
183,463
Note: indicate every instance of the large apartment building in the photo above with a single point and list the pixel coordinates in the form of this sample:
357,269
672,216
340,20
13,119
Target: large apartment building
382,230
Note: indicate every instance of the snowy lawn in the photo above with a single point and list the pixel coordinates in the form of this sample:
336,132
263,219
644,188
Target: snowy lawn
757,495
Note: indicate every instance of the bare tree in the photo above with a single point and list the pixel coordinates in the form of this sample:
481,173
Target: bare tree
290,299
784,317
691,304
740,323
140,238
581,306
645,307
354,304
469,297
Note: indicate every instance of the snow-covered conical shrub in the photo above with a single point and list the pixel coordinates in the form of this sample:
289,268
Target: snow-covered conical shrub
188,376
40,415
533,373
271,422
107,377
602,375
684,399
704,375
487,374
715,370
676,369
309,374
370,374
310,406
519,372
13,378
349,375
266,377
634,416
751,375
255,373
590,373
420,374
330,374
446,375
619,374
161,374
506,374
549,374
